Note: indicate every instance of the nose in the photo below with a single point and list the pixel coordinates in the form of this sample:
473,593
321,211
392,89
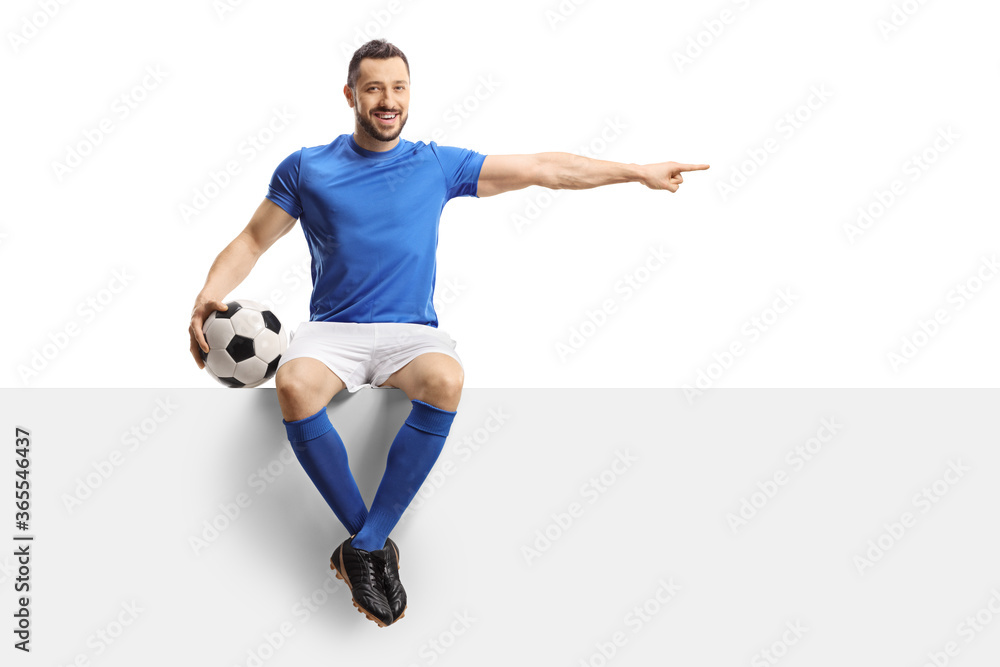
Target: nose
388,100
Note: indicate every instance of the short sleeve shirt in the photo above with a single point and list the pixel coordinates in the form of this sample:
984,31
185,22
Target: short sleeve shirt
371,223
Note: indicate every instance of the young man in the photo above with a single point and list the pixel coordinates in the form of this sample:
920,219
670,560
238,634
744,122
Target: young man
370,204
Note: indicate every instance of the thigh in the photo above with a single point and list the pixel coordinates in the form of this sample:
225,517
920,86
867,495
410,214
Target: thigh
397,345
432,377
305,385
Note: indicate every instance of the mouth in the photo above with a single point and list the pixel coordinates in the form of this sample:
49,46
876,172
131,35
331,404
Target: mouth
386,117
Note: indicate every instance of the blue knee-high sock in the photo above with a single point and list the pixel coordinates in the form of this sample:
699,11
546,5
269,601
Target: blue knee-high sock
411,457
323,456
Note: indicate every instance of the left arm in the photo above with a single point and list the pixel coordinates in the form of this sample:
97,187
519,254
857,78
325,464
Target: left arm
566,171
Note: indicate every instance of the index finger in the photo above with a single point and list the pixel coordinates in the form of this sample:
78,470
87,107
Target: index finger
693,167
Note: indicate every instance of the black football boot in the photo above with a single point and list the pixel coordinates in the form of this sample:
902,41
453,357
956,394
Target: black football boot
391,585
363,571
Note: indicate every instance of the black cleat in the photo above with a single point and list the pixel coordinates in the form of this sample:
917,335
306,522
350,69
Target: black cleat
363,571
391,585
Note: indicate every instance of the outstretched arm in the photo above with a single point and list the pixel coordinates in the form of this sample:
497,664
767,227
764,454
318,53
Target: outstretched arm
566,171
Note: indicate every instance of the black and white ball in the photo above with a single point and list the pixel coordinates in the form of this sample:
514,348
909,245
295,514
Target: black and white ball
245,344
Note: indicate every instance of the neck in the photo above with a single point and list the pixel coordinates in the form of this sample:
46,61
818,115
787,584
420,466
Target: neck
363,139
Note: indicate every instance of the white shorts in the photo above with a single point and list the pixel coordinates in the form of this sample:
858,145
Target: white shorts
366,354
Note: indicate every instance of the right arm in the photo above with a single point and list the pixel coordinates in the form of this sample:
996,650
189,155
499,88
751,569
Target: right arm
269,223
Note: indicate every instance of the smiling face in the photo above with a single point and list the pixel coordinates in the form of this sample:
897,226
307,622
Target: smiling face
380,101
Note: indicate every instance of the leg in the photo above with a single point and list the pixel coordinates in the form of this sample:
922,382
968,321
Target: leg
305,387
433,378
433,383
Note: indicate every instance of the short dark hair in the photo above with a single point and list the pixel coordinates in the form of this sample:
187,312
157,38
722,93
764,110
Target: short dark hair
378,49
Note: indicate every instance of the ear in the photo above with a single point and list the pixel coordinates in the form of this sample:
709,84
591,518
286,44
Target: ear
349,95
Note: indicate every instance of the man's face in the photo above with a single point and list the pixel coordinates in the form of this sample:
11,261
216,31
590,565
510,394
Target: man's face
382,97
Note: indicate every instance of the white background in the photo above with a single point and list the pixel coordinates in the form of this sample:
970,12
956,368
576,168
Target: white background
517,293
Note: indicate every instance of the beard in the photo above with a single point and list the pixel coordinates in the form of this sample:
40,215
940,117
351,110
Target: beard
376,132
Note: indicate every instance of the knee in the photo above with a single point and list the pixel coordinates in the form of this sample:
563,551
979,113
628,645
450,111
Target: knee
296,394
444,390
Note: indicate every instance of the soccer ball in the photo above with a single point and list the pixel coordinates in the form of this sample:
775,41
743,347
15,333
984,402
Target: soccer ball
245,344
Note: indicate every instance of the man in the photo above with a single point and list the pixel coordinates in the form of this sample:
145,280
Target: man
370,204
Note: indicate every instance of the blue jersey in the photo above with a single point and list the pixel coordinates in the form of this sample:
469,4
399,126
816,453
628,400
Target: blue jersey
371,222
